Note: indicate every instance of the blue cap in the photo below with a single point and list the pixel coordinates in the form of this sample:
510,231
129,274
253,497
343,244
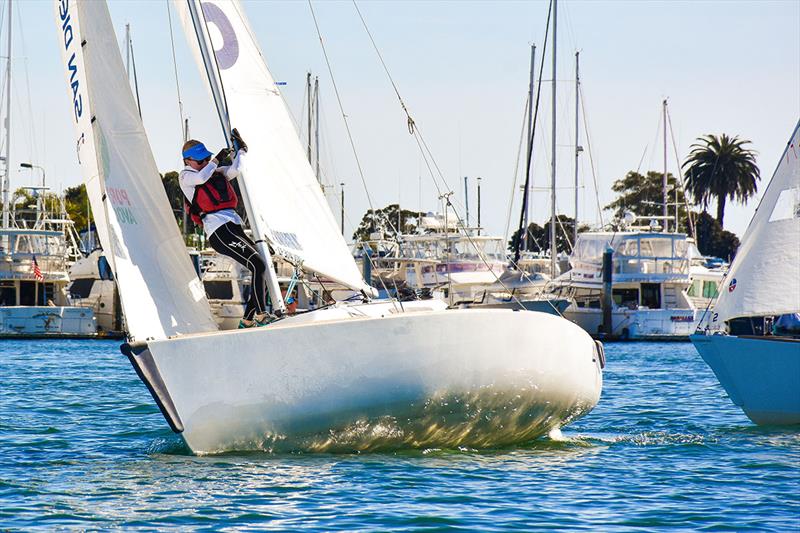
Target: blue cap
198,152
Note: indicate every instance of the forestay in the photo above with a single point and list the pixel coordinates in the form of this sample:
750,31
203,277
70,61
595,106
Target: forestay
291,211
764,278
160,292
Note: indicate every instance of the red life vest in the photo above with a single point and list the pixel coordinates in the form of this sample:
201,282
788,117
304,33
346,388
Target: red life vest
214,195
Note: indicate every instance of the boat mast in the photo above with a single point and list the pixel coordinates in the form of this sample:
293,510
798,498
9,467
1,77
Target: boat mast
526,196
128,50
553,154
316,130
310,105
131,62
664,183
341,213
577,146
523,215
466,199
479,205
6,177
212,72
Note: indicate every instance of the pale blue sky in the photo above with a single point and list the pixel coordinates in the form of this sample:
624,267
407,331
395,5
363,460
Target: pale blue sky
462,68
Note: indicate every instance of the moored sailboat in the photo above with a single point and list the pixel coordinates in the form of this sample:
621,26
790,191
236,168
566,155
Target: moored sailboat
755,359
353,375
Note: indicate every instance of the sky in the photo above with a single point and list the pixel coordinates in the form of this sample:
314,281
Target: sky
462,69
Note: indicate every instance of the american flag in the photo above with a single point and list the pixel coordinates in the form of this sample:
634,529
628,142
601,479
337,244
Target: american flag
37,272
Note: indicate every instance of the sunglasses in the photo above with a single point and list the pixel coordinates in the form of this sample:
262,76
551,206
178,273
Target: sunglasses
206,160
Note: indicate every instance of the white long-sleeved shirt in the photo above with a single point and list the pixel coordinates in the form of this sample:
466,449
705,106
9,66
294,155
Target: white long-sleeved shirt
190,178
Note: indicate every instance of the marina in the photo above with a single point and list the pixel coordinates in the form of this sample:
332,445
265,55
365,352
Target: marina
197,330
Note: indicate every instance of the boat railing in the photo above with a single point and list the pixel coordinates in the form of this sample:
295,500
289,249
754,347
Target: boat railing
52,267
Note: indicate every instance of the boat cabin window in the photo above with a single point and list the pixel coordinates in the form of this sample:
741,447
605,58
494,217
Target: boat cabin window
651,254
591,249
710,289
693,289
105,269
747,325
81,288
27,293
218,289
33,293
651,295
473,249
8,294
628,248
626,298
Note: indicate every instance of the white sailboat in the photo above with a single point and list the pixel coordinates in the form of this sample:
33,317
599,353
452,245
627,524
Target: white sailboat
352,375
759,366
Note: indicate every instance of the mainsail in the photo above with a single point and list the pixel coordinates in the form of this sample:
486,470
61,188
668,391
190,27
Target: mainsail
286,198
160,293
764,278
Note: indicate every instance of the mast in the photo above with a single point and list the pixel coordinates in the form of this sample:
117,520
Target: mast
526,198
479,205
310,104
342,207
466,198
523,215
664,184
212,71
316,129
128,50
6,177
553,249
135,77
577,146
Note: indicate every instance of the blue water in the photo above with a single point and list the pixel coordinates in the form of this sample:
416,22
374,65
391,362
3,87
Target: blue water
83,446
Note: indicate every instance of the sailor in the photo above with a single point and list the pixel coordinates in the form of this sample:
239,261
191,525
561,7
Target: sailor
211,201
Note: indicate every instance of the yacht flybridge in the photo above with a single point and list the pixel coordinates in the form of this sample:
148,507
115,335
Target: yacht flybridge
353,375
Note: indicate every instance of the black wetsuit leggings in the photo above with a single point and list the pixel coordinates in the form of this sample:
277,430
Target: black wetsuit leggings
230,240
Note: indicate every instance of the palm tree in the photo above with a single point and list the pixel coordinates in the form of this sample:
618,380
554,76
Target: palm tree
721,168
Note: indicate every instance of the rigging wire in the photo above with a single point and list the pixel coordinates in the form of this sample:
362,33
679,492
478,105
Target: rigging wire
430,161
532,133
516,169
34,145
641,159
689,216
591,158
341,107
175,70
349,135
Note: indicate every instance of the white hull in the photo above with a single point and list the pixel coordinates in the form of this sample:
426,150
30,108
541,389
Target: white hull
334,380
760,375
47,321
639,324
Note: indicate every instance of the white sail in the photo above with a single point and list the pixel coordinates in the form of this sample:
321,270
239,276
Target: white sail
764,278
160,292
287,199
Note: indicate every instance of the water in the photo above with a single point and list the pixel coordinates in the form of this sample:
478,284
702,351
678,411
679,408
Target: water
83,446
